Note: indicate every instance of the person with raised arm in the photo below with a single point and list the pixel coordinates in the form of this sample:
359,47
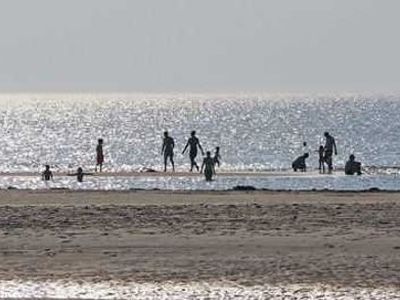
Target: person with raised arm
79,174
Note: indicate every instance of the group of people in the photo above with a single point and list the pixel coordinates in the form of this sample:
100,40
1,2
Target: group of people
326,157
208,166
193,144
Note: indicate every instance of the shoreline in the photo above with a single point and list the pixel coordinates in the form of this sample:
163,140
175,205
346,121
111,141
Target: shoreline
235,190
180,174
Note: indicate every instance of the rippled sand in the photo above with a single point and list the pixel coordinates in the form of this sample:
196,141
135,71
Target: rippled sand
186,245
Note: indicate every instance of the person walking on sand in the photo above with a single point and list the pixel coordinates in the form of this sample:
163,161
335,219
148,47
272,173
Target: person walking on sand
47,175
208,166
79,174
329,149
193,142
99,155
168,151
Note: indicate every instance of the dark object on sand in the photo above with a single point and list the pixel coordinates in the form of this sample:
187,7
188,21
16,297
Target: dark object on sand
147,170
244,188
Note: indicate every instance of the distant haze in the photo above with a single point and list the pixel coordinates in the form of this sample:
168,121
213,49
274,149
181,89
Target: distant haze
199,45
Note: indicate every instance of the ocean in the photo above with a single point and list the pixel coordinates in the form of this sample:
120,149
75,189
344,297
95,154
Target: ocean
256,133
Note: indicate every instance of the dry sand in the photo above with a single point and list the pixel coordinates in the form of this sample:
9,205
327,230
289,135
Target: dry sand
256,242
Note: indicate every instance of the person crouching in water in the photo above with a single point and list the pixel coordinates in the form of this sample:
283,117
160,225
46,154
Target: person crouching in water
300,163
79,174
47,174
208,166
352,167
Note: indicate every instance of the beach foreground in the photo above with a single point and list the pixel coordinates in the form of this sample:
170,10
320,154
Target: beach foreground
200,244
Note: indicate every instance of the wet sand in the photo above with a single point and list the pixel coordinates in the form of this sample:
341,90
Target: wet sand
248,240
181,174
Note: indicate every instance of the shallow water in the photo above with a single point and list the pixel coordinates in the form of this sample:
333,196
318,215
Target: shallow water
197,290
254,132
276,182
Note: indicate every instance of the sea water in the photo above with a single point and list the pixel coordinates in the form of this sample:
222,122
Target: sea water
255,133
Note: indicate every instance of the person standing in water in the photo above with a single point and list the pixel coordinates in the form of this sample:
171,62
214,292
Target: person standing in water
321,159
305,148
330,148
47,174
193,143
217,157
208,166
168,151
79,174
99,155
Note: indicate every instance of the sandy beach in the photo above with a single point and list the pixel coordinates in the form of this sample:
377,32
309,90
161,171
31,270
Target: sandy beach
263,240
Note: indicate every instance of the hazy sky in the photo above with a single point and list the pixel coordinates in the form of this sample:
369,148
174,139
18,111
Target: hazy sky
199,45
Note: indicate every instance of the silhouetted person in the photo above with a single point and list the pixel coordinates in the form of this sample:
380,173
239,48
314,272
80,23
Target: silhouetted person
217,157
300,163
193,143
321,159
47,174
208,166
330,148
99,155
79,174
352,167
168,151
305,148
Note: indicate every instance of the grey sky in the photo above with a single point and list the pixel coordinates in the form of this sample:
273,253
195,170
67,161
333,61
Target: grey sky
199,45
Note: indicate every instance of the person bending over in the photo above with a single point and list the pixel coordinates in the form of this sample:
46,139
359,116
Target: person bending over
300,163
